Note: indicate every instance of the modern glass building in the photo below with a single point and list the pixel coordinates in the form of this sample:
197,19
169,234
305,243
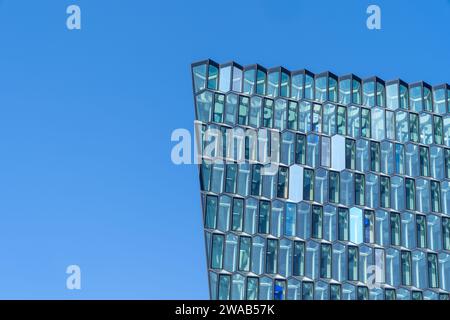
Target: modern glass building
318,186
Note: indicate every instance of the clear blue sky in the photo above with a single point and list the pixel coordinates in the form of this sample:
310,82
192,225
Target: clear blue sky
86,118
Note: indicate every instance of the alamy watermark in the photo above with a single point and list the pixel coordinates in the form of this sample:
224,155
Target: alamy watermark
232,145
73,21
73,281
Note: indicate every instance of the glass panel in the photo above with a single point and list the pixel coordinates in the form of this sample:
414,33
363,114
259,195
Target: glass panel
356,92
439,101
299,259
380,94
369,93
204,106
217,251
378,129
392,99
321,89
292,115
415,94
341,120
317,218
237,79
403,97
224,287
273,84
249,81
280,114
245,246
365,123
199,73
352,263
264,216
297,86
329,119
271,256
225,79
261,82
332,89
284,90
344,91
309,86
211,211
426,131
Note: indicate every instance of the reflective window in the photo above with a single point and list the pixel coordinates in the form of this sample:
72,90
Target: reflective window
365,123
369,226
415,96
304,117
264,216
352,263
359,189
432,271
282,186
299,259
308,184
297,86
244,104
435,196
292,115
284,89
350,154
410,192
317,218
245,245
252,288
403,97
217,251
343,224
446,232
332,89
369,93
381,95
213,75
224,287
439,100
421,225
307,290
333,186
321,89
268,113
414,127
395,229
385,192
273,83
237,220
211,211
325,260
300,149
344,91
341,120
424,161
406,268
271,256
309,87
237,79
261,82
329,119
392,98
375,156
249,81
199,73
356,91
317,118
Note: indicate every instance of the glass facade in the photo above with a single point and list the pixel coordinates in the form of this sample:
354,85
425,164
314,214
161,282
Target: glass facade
327,188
